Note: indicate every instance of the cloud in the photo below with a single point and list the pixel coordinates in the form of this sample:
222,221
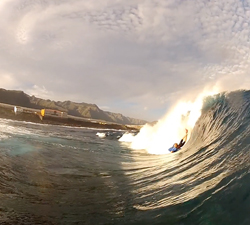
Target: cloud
8,80
42,92
126,55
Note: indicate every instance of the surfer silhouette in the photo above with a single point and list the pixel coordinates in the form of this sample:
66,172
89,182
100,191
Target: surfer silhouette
176,146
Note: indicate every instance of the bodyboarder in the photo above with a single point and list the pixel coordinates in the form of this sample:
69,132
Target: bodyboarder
176,146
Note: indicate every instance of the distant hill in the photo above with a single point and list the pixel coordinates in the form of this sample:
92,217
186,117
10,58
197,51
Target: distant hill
85,110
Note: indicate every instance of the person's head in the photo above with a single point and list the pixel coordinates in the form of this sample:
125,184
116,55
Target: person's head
175,145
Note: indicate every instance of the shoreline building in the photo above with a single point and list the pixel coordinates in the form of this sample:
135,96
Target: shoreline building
53,113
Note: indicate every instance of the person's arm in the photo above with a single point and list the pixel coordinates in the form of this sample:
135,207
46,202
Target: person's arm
185,137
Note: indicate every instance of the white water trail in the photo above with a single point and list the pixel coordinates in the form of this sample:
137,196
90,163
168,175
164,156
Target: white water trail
170,129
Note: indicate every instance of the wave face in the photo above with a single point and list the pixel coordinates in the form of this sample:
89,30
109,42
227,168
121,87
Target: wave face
214,166
223,124
208,181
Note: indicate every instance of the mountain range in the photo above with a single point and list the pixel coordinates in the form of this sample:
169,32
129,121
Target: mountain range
84,110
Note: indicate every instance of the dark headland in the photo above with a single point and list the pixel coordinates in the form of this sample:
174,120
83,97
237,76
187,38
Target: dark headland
17,105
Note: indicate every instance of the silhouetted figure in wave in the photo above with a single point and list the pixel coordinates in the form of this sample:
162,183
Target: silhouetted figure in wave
176,146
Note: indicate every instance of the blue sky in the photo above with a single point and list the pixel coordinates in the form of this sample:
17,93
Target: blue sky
133,57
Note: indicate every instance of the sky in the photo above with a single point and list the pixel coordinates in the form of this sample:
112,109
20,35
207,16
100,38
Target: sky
132,57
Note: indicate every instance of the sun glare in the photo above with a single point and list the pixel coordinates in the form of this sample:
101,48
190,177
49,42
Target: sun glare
170,129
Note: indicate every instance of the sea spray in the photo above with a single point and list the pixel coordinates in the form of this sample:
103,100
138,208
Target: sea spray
158,138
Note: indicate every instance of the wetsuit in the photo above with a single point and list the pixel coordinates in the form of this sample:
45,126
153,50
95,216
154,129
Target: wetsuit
181,144
173,149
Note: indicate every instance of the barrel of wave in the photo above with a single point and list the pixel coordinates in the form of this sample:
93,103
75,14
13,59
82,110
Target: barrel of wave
168,130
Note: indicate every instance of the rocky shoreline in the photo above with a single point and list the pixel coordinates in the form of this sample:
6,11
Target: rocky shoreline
33,116
81,110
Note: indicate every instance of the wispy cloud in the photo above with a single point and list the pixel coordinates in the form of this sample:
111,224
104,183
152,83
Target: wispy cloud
126,55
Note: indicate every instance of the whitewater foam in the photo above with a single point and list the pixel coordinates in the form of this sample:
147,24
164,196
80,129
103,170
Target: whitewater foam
170,129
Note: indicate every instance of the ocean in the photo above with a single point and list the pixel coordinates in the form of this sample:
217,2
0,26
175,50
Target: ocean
64,175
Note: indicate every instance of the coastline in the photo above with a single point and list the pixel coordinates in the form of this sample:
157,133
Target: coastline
33,115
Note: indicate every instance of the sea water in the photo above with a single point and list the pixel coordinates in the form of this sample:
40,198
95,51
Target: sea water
64,175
